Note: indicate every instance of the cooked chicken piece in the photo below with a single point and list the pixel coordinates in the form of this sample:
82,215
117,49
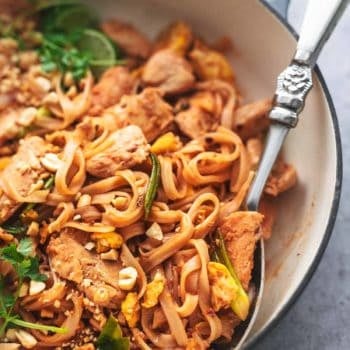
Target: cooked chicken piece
114,83
24,171
128,147
251,119
254,148
209,64
268,208
240,231
201,117
283,177
128,38
95,277
147,110
195,122
168,71
177,37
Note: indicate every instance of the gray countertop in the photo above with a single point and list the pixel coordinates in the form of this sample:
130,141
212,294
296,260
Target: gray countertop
320,319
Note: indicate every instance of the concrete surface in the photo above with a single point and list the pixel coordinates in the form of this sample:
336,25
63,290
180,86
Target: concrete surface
321,317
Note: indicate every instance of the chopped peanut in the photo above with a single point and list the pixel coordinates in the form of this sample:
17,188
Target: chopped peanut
127,278
51,162
155,232
36,287
26,339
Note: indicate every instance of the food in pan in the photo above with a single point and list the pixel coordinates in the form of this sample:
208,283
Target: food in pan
124,165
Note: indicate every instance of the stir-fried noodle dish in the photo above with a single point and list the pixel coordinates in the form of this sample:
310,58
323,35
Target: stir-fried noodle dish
124,163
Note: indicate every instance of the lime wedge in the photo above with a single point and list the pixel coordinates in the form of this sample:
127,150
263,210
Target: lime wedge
69,18
101,50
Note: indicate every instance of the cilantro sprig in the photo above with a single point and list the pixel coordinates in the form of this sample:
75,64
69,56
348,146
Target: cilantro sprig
59,52
26,267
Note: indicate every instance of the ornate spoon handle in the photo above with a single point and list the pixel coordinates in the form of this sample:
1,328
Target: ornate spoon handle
293,84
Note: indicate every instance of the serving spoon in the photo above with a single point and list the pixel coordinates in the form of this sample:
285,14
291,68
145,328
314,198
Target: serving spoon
293,85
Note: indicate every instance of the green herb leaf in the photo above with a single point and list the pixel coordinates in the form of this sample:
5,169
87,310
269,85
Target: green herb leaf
26,266
25,247
153,184
32,271
111,337
49,183
11,255
41,327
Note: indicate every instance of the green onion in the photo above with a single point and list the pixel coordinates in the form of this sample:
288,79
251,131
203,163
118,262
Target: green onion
153,184
49,183
15,228
40,327
240,305
111,337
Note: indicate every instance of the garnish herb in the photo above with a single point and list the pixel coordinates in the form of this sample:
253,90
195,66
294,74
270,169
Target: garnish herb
59,52
240,305
15,228
71,42
26,266
153,184
111,337
49,183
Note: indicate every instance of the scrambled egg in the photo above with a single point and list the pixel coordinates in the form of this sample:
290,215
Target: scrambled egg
107,240
153,290
166,143
131,309
222,285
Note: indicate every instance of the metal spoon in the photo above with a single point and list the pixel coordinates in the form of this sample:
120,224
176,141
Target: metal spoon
293,84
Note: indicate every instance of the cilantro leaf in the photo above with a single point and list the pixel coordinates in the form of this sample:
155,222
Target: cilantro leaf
59,52
25,265
6,300
32,270
10,254
25,247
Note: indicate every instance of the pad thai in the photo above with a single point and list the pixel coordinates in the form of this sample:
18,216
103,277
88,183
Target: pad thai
124,163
